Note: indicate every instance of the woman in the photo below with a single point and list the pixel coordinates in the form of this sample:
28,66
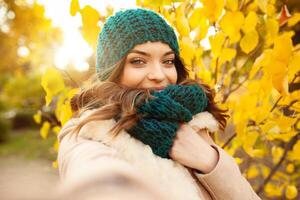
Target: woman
126,131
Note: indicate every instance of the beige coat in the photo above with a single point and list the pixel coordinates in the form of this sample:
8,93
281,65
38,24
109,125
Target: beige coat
97,159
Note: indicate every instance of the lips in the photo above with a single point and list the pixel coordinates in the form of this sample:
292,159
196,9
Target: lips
159,88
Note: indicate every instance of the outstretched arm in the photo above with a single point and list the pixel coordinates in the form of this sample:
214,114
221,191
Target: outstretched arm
90,169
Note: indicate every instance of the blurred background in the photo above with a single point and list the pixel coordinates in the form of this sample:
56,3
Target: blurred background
36,36
248,50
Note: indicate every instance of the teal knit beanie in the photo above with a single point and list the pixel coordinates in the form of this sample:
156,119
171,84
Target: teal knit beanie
126,29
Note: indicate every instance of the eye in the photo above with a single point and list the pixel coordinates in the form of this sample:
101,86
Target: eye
170,61
137,61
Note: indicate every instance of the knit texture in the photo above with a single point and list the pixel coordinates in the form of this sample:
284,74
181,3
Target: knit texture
126,29
161,116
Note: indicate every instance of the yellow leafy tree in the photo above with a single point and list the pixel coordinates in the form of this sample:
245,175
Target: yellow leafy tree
253,65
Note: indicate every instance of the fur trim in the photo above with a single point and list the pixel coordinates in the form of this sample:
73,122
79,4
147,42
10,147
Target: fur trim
204,120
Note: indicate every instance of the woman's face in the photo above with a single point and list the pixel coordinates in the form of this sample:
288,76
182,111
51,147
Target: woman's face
149,65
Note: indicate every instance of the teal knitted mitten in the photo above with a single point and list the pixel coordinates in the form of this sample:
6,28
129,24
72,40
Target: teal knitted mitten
162,115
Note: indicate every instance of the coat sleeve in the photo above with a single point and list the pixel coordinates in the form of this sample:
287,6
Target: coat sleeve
225,181
86,165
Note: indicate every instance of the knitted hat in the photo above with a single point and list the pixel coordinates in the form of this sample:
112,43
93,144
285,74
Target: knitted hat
126,29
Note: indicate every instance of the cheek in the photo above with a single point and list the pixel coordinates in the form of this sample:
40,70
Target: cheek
132,77
172,75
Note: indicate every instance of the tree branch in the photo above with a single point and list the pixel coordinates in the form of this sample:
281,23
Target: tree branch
251,56
287,148
217,61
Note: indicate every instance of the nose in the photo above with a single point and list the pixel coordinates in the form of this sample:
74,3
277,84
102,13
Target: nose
156,73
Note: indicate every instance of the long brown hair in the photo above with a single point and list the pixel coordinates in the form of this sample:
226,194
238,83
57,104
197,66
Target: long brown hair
113,100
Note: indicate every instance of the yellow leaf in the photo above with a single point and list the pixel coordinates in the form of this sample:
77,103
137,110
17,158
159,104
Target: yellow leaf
213,64
56,146
258,153
252,172
170,17
277,68
231,24
280,82
265,170
195,17
252,7
250,142
261,61
74,7
278,72
52,83
216,42
45,129
63,111
201,30
198,57
291,192
38,117
280,176
271,9
227,54
66,113
276,153
238,160
187,50
213,9
250,22
281,136
182,25
249,41
293,66
232,4
272,28
56,129
285,123
90,28
290,168
72,92
262,112
205,75
283,46
294,19
55,164
295,154
273,190
267,7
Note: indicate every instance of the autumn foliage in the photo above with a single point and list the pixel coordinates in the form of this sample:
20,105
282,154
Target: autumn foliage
252,63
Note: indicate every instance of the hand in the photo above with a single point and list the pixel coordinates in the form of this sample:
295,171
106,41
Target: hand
191,150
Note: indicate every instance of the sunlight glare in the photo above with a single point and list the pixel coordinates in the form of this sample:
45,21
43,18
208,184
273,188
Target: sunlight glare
75,50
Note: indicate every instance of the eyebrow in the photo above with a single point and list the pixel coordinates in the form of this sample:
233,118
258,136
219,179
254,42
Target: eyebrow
147,54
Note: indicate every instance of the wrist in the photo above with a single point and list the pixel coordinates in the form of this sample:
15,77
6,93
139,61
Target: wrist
209,161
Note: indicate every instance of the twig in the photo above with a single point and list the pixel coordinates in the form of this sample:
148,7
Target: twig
296,75
229,140
51,119
77,85
251,55
274,106
217,61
